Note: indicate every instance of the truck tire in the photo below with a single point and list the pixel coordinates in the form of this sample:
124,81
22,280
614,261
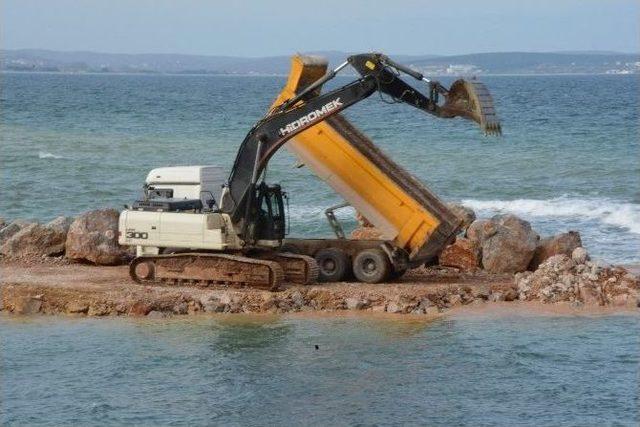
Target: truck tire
371,266
334,265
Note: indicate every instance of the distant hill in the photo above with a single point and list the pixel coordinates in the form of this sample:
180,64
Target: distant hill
532,63
478,63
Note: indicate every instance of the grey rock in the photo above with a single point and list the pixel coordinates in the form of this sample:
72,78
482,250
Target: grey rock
297,299
563,243
508,244
27,305
61,223
93,237
35,240
9,230
467,215
580,255
496,296
77,307
215,306
181,308
432,310
154,314
356,303
393,307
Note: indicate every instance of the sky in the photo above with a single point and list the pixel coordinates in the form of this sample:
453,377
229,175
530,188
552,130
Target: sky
279,27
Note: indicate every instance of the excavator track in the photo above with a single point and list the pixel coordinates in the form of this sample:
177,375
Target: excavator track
207,269
298,269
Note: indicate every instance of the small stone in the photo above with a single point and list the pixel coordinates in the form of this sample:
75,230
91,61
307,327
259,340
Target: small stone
496,296
378,308
154,314
356,303
297,299
98,309
454,300
181,308
431,311
77,307
580,255
27,305
511,295
215,306
139,308
393,307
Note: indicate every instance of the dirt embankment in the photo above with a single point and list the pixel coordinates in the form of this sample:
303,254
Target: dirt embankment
56,286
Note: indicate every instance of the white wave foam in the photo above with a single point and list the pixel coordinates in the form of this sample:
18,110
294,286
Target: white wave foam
46,155
620,214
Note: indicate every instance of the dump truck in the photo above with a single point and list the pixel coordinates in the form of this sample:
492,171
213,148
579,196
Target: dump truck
414,223
184,233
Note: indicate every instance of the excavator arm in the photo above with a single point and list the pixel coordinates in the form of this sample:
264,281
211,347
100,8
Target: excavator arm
308,108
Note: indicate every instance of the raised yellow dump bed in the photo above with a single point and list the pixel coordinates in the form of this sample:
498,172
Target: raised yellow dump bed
398,204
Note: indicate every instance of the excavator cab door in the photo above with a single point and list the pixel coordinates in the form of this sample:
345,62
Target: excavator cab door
270,222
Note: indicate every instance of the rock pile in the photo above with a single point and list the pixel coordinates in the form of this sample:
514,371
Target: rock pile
577,279
91,237
502,244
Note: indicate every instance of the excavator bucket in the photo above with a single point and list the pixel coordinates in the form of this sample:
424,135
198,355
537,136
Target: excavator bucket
472,100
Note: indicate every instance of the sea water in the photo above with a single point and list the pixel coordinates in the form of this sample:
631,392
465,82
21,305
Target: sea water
475,370
569,158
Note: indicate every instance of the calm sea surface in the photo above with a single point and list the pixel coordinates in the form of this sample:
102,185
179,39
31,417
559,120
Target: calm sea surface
497,370
570,157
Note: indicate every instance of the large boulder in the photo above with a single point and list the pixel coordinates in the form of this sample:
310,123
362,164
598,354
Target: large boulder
563,243
467,215
38,240
9,230
507,243
463,254
93,237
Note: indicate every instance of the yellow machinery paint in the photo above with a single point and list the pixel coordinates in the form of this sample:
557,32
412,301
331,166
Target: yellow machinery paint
399,205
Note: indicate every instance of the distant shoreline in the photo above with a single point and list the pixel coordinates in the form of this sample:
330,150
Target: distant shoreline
67,73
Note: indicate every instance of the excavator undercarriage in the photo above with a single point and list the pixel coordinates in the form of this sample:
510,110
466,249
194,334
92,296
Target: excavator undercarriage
263,271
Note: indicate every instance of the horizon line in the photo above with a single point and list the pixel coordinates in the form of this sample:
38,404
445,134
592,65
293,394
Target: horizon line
560,52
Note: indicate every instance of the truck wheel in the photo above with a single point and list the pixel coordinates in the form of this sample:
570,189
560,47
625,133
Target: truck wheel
334,265
371,266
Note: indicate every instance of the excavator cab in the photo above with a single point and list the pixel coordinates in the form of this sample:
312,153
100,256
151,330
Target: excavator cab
270,223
